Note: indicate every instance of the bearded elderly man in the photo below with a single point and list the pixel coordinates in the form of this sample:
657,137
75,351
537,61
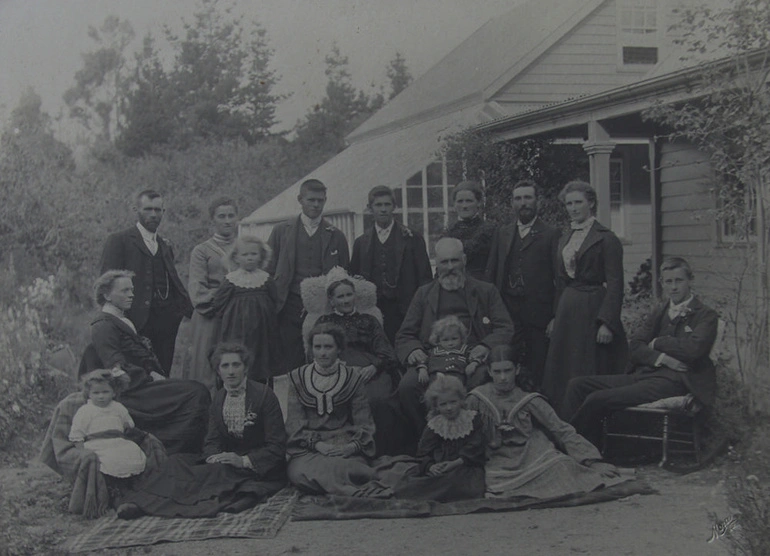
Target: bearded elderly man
476,303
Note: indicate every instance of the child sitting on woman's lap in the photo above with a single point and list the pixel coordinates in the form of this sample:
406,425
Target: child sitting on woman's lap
101,423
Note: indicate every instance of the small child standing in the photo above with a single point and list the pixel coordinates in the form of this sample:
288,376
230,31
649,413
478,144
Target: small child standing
101,423
246,302
450,353
451,449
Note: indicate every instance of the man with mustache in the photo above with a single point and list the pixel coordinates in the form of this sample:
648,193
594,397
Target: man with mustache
160,298
476,303
522,264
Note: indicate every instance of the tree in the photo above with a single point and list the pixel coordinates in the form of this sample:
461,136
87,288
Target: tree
500,165
728,118
221,76
322,132
94,99
399,75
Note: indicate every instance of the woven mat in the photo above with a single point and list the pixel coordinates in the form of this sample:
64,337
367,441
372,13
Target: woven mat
261,522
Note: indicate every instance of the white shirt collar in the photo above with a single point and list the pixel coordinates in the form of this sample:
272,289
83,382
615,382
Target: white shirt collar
583,225
676,310
524,229
310,224
110,309
384,233
147,235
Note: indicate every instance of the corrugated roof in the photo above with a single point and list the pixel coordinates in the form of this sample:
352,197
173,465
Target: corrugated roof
386,159
493,51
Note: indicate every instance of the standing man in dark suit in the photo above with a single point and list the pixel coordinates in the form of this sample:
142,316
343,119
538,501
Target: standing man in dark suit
160,298
669,354
302,247
393,257
522,264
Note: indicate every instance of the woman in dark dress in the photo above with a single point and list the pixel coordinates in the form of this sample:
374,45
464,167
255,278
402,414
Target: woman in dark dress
243,459
173,410
368,348
471,228
587,337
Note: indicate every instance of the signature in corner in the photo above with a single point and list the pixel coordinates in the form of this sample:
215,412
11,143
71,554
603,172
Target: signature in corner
723,527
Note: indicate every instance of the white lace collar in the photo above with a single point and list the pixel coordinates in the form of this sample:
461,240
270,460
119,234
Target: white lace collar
454,429
245,279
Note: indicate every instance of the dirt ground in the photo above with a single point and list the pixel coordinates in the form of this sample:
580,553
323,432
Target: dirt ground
676,521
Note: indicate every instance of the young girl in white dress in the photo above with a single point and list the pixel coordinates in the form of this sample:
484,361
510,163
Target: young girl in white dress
100,426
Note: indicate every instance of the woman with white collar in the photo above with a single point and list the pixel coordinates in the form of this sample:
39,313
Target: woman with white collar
586,335
329,423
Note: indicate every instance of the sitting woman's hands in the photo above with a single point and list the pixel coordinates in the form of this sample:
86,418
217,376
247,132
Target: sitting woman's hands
605,469
156,376
604,335
368,372
333,450
229,458
444,467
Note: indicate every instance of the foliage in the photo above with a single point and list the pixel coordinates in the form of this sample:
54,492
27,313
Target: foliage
100,83
500,165
729,119
641,284
344,108
399,75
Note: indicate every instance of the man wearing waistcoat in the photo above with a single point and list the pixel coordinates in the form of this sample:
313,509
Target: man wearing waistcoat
305,246
160,298
522,264
669,357
393,257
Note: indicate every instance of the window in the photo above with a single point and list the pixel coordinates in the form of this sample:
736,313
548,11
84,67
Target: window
425,203
640,32
640,55
617,220
738,221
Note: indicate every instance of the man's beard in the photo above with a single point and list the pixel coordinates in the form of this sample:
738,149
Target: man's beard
526,215
452,280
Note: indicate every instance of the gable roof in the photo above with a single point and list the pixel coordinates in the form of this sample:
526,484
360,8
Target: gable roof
475,70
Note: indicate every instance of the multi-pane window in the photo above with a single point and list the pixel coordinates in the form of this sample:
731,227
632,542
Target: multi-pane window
423,201
639,32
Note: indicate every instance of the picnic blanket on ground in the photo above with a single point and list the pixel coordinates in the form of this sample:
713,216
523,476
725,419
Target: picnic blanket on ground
311,508
260,522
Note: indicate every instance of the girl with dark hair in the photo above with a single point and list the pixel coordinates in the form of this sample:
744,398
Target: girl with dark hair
530,451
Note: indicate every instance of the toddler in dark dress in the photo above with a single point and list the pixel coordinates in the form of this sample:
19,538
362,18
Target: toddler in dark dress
451,448
246,302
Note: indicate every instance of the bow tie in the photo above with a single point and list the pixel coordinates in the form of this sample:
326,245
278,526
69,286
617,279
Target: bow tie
236,392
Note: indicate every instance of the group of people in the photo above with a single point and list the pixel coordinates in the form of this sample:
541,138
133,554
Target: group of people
477,372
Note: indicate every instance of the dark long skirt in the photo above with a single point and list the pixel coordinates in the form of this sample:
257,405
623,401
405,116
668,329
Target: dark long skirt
573,350
175,411
461,483
186,487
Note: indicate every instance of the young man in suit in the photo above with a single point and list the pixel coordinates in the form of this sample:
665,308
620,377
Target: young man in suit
669,354
305,246
391,256
160,298
522,264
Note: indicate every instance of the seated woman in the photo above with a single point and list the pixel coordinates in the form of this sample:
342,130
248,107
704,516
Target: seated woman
367,347
244,452
173,410
520,426
330,426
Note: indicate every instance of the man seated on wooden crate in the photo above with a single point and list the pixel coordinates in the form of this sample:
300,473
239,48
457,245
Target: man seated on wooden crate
669,357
